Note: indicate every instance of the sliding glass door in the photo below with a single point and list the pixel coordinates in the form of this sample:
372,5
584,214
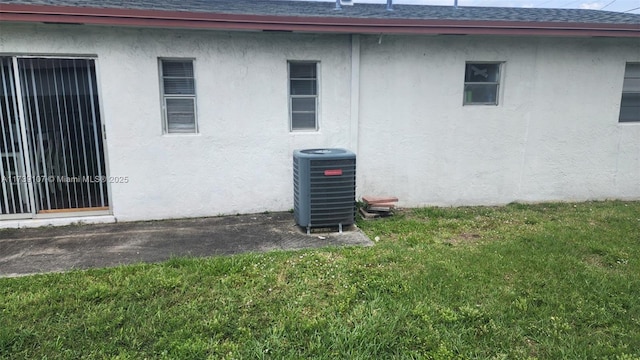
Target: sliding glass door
52,137
14,197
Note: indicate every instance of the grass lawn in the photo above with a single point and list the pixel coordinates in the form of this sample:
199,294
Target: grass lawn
548,281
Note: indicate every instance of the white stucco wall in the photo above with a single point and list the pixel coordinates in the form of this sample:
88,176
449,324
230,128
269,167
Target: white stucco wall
554,136
240,162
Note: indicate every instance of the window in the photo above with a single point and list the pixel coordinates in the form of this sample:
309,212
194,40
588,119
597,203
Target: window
303,95
630,104
178,96
481,84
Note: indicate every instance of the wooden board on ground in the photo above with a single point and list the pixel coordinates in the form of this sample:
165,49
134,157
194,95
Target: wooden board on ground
379,200
379,208
368,215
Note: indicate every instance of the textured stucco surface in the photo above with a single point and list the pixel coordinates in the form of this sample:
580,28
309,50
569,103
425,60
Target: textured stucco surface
554,136
241,159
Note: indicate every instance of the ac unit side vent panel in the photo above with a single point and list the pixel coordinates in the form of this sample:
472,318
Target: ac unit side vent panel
324,182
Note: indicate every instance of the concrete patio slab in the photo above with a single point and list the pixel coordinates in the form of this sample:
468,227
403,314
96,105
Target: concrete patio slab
56,249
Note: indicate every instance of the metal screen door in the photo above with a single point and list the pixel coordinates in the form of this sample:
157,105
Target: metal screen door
51,144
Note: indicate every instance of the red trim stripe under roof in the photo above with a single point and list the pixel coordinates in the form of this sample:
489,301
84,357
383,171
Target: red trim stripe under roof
197,20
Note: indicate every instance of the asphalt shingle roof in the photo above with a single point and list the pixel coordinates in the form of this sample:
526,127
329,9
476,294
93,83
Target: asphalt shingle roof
357,11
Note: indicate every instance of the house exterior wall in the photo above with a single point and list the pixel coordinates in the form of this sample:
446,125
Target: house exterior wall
241,159
554,136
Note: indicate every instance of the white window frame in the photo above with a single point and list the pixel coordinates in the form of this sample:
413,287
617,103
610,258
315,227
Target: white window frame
316,96
496,83
164,97
630,85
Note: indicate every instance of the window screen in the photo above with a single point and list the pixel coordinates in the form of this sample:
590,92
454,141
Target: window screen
178,96
630,104
303,95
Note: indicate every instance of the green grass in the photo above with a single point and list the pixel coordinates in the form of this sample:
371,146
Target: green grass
548,281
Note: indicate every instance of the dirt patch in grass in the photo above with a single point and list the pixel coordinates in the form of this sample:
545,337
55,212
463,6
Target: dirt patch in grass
464,238
532,346
595,260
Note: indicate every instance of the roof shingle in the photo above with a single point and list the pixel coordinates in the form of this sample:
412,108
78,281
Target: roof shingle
358,11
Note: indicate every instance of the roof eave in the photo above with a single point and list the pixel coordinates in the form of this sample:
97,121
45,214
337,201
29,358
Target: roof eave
219,21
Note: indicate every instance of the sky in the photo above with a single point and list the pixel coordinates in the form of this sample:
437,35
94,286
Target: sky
631,6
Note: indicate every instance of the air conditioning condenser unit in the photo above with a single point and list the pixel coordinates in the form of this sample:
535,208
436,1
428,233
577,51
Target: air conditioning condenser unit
324,187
